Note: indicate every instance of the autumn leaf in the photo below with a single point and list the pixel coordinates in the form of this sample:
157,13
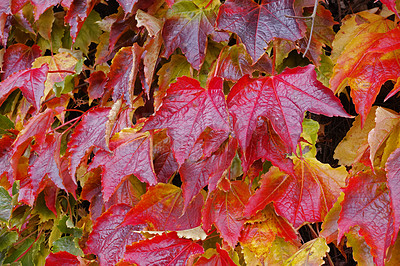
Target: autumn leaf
18,57
5,157
97,83
89,132
197,174
162,206
305,196
187,111
109,239
76,15
282,99
165,164
371,211
166,249
311,253
224,208
29,81
130,154
62,257
393,169
187,27
252,22
221,258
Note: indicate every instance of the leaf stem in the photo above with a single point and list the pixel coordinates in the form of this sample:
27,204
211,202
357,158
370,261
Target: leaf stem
26,251
66,123
61,71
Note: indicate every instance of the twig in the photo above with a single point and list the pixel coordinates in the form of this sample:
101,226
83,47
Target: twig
312,17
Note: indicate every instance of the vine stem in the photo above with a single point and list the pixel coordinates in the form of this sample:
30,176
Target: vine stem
62,71
66,123
312,17
26,251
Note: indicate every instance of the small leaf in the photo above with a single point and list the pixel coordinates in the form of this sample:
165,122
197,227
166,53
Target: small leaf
68,244
166,249
5,205
63,258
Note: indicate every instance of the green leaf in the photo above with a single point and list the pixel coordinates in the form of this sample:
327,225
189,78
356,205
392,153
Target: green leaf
5,205
65,86
68,244
7,239
90,32
5,124
15,254
66,226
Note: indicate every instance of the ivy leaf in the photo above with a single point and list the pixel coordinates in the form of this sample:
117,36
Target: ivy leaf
367,67
224,208
5,205
76,15
187,27
257,24
187,111
371,211
162,206
46,163
63,258
260,232
221,258
91,131
123,71
127,5
393,175
391,4
311,253
5,157
97,83
29,81
130,154
196,174
166,249
282,99
305,196
18,57
165,164
108,238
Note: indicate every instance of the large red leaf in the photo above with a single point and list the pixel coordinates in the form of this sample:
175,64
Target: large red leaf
131,154
282,99
197,174
366,64
187,27
224,208
47,162
162,206
305,196
108,238
122,75
187,111
166,249
367,204
91,131
62,258
257,24
29,81
18,57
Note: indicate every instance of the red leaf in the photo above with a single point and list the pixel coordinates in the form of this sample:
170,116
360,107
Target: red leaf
123,72
367,204
187,27
162,206
220,259
166,249
29,81
108,238
91,131
40,6
165,164
391,4
47,162
282,99
77,14
306,196
5,157
197,174
393,180
62,258
224,208
127,5
187,111
257,24
97,83
36,127
18,57
131,154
